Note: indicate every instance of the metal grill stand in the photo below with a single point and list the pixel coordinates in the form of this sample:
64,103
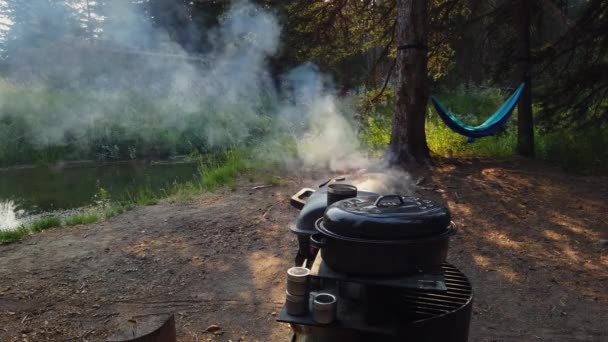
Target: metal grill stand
420,307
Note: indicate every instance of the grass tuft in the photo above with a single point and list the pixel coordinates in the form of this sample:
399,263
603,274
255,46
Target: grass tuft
44,223
142,197
274,180
116,209
8,236
221,170
81,219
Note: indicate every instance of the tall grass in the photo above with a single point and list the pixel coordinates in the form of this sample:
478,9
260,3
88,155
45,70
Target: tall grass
576,150
221,169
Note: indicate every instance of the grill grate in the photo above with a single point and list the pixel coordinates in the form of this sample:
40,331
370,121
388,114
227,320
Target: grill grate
419,305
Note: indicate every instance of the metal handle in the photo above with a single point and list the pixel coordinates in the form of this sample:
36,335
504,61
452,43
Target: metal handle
382,198
299,199
318,240
336,179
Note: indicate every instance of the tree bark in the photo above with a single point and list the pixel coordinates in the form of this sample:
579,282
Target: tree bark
408,137
525,121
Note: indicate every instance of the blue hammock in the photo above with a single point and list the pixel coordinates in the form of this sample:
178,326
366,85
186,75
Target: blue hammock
489,127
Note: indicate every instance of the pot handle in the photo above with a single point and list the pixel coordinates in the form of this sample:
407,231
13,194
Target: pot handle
318,240
299,199
336,179
382,198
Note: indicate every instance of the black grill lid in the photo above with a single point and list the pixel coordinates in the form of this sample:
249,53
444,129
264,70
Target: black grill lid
386,217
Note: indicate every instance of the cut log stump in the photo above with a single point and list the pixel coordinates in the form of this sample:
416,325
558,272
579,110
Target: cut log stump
153,329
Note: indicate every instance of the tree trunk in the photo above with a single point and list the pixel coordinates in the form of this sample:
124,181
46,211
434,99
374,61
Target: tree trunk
408,138
525,121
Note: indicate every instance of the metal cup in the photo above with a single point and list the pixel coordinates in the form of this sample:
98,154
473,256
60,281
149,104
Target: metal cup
324,308
297,280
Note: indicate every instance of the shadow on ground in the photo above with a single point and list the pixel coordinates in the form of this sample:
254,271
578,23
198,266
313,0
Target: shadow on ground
528,240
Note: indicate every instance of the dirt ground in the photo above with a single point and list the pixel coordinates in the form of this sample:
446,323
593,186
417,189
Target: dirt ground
529,240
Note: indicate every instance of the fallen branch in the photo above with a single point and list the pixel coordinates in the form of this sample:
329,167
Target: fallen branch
87,333
261,187
267,211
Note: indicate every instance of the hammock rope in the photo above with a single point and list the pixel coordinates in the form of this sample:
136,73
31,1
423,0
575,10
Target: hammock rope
494,123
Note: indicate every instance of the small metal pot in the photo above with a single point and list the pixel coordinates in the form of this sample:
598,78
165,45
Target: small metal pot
339,191
324,308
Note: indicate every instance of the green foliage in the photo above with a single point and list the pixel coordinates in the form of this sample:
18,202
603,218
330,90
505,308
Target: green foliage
221,169
142,197
45,223
273,180
81,219
376,133
12,235
343,27
127,127
116,209
573,87
348,37
576,150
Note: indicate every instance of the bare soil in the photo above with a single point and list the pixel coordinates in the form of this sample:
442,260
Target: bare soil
529,240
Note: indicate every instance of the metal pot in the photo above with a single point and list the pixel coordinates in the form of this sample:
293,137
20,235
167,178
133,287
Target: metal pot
382,257
338,191
312,205
385,235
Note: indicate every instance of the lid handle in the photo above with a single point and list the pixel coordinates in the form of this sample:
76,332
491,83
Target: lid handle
382,198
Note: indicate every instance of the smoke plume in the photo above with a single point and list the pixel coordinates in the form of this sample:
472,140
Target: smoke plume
130,75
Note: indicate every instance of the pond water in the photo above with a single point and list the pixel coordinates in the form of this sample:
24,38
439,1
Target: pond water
30,191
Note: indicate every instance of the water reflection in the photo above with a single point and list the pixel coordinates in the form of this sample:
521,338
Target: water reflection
9,215
32,191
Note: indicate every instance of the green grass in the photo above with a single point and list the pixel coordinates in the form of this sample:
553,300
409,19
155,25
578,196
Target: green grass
8,236
221,170
142,197
81,219
579,151
273,180
45,223
115,209
38,225
215,171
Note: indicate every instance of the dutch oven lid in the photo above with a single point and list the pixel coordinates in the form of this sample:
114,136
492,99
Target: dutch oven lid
389,217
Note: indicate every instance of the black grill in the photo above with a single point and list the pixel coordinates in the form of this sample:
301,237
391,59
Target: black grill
421,304
438,316
426,306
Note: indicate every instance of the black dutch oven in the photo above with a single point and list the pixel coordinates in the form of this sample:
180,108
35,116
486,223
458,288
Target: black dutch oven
384,235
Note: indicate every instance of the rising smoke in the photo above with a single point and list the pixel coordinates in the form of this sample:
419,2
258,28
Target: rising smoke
133,77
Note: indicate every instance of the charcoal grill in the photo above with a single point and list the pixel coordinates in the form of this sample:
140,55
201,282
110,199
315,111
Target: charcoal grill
413,308
422,306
